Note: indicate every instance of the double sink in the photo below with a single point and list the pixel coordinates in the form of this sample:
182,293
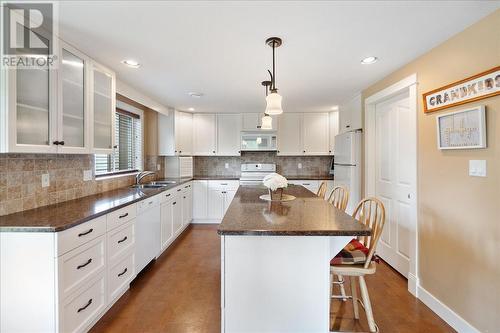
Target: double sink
155,184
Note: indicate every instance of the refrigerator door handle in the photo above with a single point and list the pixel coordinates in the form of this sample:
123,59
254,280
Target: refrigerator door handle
343,164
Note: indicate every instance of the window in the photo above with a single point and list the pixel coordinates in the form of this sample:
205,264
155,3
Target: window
127,156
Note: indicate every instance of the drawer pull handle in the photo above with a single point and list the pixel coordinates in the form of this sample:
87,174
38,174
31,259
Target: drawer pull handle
306,184
85,233
124,271
223,183
167,195
178,190
186,186
86,306
184,197
173,203
122,240
122,216
83,265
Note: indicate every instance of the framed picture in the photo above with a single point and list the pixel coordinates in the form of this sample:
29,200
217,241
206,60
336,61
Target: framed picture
464,129
474,88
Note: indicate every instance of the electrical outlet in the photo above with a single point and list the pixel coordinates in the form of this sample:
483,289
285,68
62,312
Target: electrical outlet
45,180
226,165
87,175
299,166
158,167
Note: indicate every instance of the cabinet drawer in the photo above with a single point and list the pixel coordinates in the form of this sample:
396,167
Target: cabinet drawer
80,310
121,216
120,275
72,238
120,241
167,195
80,265
224,184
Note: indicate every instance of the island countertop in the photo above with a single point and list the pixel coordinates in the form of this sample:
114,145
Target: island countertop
307,215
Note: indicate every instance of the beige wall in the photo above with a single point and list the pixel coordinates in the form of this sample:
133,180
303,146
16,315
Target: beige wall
459,216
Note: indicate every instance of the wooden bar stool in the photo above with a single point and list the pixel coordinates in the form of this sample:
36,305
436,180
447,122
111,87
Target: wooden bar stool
322,190
339,197
356,259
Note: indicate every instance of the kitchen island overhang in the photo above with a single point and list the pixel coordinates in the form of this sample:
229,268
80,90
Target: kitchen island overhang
275,261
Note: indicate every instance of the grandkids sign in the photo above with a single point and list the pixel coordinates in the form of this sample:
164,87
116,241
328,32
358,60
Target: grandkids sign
482,85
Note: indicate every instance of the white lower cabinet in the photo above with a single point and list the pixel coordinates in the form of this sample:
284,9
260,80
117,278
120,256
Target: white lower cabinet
311,185
217,194
167,228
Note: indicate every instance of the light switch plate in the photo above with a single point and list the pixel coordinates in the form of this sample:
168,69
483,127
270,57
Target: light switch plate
158,167
45,180
87,175
477,168
226,165
299,165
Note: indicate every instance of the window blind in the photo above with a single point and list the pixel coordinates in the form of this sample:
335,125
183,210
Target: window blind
127,156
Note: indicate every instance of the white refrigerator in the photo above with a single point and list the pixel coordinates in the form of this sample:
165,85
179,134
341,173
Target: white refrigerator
347,165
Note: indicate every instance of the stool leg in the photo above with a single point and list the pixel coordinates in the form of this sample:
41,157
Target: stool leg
342,288
366,302
354,292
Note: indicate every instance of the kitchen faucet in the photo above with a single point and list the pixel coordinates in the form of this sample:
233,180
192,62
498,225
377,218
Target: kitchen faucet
141,175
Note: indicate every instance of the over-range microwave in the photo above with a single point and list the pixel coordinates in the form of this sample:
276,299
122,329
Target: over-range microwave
258,141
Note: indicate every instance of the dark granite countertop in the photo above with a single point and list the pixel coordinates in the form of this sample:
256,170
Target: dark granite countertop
67,214
325,177
307,215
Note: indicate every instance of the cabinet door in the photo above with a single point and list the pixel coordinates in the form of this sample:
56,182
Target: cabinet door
177,214
204,134
215,204
228,134
183,133
290,134
315,133
334,130
350,115
186,207
103,107
200,199
167,231
32,121
228,197
250,122
73,108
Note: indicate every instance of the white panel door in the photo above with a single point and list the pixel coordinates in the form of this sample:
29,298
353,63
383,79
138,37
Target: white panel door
250,122
228,134
204,134
315,133
395,181
167,231
177,214
290,134
200,199
215,204
228,197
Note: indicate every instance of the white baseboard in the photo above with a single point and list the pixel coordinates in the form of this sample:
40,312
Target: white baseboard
203,221
413,284
448,315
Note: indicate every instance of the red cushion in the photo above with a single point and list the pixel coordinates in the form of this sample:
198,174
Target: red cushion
353,253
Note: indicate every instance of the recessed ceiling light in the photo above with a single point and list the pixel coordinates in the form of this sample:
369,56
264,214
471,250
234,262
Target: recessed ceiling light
369,60
131,63
195,94
191,109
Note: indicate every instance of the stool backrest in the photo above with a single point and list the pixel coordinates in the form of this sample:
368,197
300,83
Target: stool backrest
339,197
322,190
370,212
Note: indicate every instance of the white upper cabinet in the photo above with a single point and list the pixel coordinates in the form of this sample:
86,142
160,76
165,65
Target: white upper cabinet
68,109
290,134
350,115
175,134
334,130
204,134
253,122
315,128
103,103
228,134
73,101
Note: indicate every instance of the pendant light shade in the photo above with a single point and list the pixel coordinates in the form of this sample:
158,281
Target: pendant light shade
267,122
273,104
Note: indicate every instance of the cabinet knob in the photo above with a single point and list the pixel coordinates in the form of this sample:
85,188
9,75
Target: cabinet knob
303,151
213,151
115,146
55,142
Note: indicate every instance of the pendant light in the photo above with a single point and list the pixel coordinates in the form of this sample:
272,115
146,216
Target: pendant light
267,121
273,99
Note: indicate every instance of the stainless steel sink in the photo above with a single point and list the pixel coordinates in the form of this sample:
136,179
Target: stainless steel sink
147,186
164,182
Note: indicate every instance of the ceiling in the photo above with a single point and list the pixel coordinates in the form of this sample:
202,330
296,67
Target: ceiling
218,49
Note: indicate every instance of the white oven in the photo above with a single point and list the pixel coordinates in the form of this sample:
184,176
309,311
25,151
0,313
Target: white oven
258,141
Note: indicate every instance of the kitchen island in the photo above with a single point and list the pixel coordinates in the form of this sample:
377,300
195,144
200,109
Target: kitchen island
275,260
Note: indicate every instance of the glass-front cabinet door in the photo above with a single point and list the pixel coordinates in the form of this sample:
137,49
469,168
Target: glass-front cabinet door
103,104
30,106
73,115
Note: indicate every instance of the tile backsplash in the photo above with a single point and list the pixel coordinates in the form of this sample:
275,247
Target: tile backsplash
286,165
21,179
